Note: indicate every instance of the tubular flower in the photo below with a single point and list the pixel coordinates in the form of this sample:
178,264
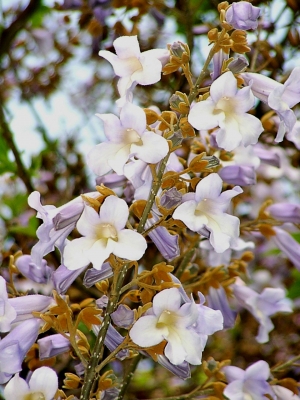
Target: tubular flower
104,235
249,384
279,97
227,108
127,137
184,325
243,15
206,209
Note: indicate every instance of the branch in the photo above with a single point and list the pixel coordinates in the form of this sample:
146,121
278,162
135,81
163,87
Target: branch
8,34
9,139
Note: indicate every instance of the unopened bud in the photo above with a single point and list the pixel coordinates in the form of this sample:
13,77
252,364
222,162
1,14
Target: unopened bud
170,198
213,161
238,64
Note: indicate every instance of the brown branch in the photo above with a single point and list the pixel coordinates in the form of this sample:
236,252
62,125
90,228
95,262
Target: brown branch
9,33
8,137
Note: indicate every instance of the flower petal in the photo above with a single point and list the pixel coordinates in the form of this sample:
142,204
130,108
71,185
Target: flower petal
75,253
114,211
130,245
153,149
202,115
16,388
145,333
44,380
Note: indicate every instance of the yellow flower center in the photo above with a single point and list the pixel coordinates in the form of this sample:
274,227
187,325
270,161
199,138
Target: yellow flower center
131,136
34,396
167,319
106,231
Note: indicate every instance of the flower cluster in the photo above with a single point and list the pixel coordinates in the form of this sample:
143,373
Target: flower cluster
160,258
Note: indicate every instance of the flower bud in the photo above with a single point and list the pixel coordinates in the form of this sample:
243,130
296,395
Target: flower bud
53,345
243,175
170,198
238,65
243,15
285,212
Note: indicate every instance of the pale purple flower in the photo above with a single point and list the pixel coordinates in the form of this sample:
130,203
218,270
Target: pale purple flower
283,393
262,306
182,370
280,97
51,346
15,346
166,243
285,212
112,340
63,278
214,259
243,15
218,59
294,135
38,273
127,137
217,300
238,64
132,66
26,305
267,155
227,108
249,384
243,175
288,245
57,224
171,198
184,325
104,234
93,275
42,384
206,209
123,316
7,312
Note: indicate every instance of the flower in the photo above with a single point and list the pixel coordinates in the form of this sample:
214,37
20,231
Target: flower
104,235
280,97
251,383
43,384
184,325
227,108
51,346
127,137
238,174
14,347
57,225
206,209
7,312
132,66
262,306
243,15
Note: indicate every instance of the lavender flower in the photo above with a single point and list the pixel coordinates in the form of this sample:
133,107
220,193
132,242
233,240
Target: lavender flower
243,15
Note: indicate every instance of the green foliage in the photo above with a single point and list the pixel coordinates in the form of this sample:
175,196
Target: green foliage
6,165
294,289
